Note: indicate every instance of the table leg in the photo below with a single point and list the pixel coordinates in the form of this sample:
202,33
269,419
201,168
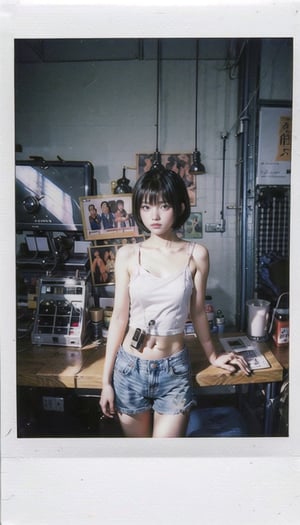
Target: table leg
271,394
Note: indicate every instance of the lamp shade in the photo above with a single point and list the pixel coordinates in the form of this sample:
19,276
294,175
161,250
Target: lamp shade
123,185
197,168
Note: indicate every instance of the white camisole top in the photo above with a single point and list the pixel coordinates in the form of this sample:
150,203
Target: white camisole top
160,305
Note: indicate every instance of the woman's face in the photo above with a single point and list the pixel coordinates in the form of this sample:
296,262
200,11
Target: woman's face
157,218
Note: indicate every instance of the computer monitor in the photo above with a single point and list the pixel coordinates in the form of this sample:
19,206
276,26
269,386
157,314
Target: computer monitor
47,194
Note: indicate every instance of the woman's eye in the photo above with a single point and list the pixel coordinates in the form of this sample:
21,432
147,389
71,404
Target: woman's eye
165,206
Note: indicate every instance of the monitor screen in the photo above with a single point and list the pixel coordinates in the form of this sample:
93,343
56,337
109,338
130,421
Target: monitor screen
47,194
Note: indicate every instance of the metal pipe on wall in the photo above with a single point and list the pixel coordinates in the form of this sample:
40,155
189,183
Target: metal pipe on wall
244,129
248,121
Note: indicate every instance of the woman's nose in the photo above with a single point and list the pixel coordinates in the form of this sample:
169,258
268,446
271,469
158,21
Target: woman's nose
155,212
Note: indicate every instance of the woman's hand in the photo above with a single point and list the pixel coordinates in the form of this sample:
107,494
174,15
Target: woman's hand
106,401
231,362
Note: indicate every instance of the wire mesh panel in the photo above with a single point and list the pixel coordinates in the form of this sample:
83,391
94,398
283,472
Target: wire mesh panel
272,239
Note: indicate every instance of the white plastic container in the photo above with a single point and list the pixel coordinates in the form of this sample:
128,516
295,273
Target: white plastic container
258,318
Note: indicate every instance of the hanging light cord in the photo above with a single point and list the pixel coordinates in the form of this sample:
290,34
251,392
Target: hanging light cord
157,92
196,167
196,98
224,137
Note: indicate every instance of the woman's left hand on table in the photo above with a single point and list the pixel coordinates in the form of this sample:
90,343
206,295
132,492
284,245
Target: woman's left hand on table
232,362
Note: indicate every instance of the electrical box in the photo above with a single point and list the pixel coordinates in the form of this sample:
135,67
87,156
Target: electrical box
212,227
61,314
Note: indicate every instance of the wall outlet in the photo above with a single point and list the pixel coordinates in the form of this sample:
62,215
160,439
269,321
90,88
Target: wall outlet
54,404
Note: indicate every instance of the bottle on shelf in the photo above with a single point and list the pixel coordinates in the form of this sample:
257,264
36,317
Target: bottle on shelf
220,321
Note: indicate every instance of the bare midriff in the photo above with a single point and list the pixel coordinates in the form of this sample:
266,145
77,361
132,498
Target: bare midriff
155,346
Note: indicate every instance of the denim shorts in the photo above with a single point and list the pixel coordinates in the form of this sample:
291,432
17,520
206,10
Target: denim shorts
163,385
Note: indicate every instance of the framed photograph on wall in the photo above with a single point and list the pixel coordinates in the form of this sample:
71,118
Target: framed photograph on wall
107,216
178,162
102,264
193,227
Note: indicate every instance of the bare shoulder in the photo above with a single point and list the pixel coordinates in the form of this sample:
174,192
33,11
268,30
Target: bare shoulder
200,259
200,253
127,250
127,253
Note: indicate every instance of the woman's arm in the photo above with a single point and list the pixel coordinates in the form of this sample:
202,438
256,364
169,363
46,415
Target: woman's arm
117,328
199,318
197,309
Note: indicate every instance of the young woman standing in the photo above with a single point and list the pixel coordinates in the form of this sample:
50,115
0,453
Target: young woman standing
159,282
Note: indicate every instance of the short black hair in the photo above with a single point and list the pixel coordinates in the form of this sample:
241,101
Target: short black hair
160,181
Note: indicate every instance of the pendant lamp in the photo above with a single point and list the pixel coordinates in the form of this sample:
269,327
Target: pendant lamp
123,184
197,167
157,155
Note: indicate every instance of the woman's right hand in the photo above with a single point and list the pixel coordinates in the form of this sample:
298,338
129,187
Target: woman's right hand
106,401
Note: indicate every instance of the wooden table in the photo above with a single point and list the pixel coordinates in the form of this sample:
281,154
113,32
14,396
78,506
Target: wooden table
204,374
82,368
213,376
56,366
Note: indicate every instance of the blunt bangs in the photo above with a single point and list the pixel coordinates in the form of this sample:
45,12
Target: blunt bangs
160,183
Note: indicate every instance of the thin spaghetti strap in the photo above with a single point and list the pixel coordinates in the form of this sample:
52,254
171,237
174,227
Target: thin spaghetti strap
139,253
190,251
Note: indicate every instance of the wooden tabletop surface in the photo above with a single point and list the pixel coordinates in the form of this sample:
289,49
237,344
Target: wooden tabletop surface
212,376
51,366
